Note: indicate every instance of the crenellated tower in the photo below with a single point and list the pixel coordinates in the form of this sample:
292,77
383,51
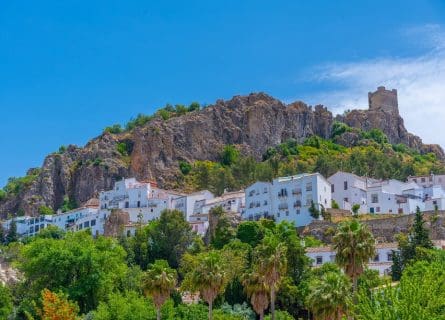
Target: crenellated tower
384,100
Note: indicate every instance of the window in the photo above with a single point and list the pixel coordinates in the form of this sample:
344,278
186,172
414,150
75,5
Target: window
389,256
265,202
127,205
93,222
415,180
36,228
374,198
422,180
332,188
287,213
376,258
319,260
400,210
86,224
298,211
309,186
265,190
128,233
377,209
345,199
139,204
345,185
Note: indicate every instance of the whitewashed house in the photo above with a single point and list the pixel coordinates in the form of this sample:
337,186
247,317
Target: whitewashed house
28,226
382,261
233,202
349,189
393,196
428,181
288,198
186,203
143,201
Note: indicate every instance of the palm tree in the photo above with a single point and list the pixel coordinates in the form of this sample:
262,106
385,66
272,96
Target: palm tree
270,255
354,245
209,275
328,296
159,281
258,292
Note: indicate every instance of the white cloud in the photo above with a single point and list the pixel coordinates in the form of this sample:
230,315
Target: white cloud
420,82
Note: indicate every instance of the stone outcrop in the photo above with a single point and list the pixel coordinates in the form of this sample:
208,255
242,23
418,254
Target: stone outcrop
254,123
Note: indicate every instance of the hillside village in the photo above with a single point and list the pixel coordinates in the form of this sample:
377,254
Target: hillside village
307,209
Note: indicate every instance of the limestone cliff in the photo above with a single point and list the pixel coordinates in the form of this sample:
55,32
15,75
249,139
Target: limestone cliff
253,122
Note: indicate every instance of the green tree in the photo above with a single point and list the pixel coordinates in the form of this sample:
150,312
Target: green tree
185,167
328,296
355,208
209,274
44,210
129,305
12,235
314,212
92,269
6,305
159,281
170,237
354,245
418,296
229,155
418,238
334,204
250,232
270,257
258,292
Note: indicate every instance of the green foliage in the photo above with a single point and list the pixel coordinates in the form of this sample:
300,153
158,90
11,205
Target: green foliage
354,245
250,232
312,242
375,134
129,305
355,208
12,235
6,305
114,129
334,204
338,128
44,210
328,295
139,121
165,239
229,155
408,246
280,315
418,296
313,210
16,185
92,269
185,167
62,149
68,204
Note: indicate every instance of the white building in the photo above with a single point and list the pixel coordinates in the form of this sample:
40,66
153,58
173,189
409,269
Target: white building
288,198
28,226
186,203
143,201
393,196
233,202
349,189
429,181
382,261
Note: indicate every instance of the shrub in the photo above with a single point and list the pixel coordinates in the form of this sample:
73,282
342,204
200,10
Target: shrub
115,129
334,204
44,210
185,167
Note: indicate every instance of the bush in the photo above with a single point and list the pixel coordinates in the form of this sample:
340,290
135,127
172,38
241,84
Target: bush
280,315
334,204
338,128
115,129
185,167
44,210
229,155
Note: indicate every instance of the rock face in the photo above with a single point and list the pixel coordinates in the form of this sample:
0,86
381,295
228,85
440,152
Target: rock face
254,123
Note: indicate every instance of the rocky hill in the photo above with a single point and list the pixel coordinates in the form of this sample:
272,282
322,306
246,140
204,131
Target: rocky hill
152,152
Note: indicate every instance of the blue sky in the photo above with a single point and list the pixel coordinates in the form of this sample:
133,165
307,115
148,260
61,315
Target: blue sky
70,68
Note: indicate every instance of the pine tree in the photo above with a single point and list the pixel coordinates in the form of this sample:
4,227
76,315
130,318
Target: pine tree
420,235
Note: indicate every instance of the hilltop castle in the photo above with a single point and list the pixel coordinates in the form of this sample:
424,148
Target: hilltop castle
384,100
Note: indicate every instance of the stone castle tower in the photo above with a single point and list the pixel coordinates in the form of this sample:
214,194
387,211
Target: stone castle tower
384,100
